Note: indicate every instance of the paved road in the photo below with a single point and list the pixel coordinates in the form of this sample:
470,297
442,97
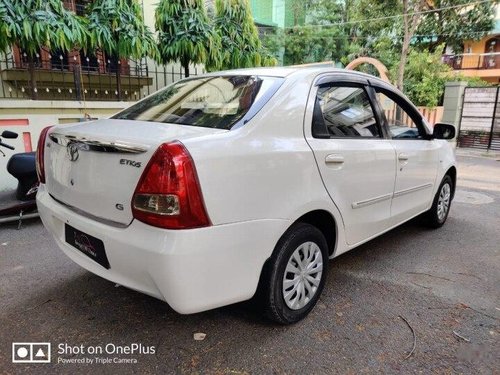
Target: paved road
441,282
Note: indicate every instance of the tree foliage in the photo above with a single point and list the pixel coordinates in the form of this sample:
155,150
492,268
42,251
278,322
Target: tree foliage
327,12
318,40
307,44
373,32
452,27
426,75
185,34
427,26
241,46
32,24
117,27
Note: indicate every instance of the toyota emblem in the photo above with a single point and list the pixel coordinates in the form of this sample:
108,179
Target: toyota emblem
72,150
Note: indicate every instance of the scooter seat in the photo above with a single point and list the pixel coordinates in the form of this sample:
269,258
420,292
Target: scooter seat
22,165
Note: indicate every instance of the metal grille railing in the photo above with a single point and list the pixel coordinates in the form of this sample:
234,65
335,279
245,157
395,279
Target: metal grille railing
473,61
80,77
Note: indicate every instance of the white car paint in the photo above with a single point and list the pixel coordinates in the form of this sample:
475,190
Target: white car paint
256,181
417,164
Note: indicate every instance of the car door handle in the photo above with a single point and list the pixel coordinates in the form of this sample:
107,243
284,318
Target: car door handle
403,157
334,159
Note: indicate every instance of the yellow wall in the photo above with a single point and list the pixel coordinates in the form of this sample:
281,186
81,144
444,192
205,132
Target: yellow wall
476,46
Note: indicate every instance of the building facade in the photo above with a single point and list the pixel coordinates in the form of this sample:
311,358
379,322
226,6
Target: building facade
479,58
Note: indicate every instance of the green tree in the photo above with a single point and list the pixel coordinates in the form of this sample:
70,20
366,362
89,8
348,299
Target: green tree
308,44
33,24
185,34
241,46
452,26
389,19
412,14
117,28
323,37
425,25
426,74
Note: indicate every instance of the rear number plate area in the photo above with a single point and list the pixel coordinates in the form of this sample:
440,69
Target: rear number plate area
87,244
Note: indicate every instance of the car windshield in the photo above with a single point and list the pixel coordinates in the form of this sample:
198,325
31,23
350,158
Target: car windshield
212,102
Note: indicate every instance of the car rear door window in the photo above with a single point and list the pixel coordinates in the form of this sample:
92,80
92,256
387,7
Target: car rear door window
344,111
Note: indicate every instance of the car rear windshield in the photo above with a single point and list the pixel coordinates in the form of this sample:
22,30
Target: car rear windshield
210,101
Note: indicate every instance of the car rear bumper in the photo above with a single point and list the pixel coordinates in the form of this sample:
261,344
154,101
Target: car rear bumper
192,270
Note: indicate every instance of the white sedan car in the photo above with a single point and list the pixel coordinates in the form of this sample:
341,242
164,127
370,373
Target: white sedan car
232,183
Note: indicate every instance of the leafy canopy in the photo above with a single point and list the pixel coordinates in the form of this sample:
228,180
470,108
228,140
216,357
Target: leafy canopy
319,39
241,46
460,20
32,24
453,26
308,44
117,27
184,33
426,75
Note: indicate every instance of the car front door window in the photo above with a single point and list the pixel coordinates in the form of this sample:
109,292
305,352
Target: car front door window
401,123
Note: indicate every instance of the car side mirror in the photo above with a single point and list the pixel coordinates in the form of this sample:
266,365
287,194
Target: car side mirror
8,134
443,131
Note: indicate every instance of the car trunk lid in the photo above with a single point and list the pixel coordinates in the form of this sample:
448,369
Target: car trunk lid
94,167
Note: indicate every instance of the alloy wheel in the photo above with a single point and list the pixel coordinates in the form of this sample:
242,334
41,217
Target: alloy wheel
443,202
302,275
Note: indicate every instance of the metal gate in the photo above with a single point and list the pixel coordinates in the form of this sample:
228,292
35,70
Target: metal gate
480,121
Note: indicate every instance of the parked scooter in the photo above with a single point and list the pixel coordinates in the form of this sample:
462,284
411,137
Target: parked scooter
20,203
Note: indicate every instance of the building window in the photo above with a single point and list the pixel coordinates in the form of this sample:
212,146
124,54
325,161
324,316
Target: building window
58,60
89,61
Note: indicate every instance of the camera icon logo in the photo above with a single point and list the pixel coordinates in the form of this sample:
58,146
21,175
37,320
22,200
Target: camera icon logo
31,352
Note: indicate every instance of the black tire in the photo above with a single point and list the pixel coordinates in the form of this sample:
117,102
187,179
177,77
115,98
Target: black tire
272,282
431,217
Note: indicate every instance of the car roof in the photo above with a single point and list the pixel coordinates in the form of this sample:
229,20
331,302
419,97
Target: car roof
298,71
264,71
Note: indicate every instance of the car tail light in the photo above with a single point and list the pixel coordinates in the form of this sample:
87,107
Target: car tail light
40,153
168,194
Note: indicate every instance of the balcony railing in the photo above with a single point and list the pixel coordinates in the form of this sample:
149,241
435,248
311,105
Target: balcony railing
68,78
473,61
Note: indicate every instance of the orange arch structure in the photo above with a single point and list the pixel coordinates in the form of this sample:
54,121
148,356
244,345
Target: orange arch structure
382,70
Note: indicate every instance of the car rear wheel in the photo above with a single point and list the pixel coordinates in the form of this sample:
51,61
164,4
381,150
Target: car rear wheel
296,274
440,209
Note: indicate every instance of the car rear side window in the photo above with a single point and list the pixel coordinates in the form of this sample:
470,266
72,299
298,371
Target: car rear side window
212,101
343,111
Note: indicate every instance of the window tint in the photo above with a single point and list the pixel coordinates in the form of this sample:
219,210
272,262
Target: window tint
212,102
343,112
401,124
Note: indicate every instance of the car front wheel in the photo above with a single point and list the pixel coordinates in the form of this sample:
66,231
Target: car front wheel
296,274
440,209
